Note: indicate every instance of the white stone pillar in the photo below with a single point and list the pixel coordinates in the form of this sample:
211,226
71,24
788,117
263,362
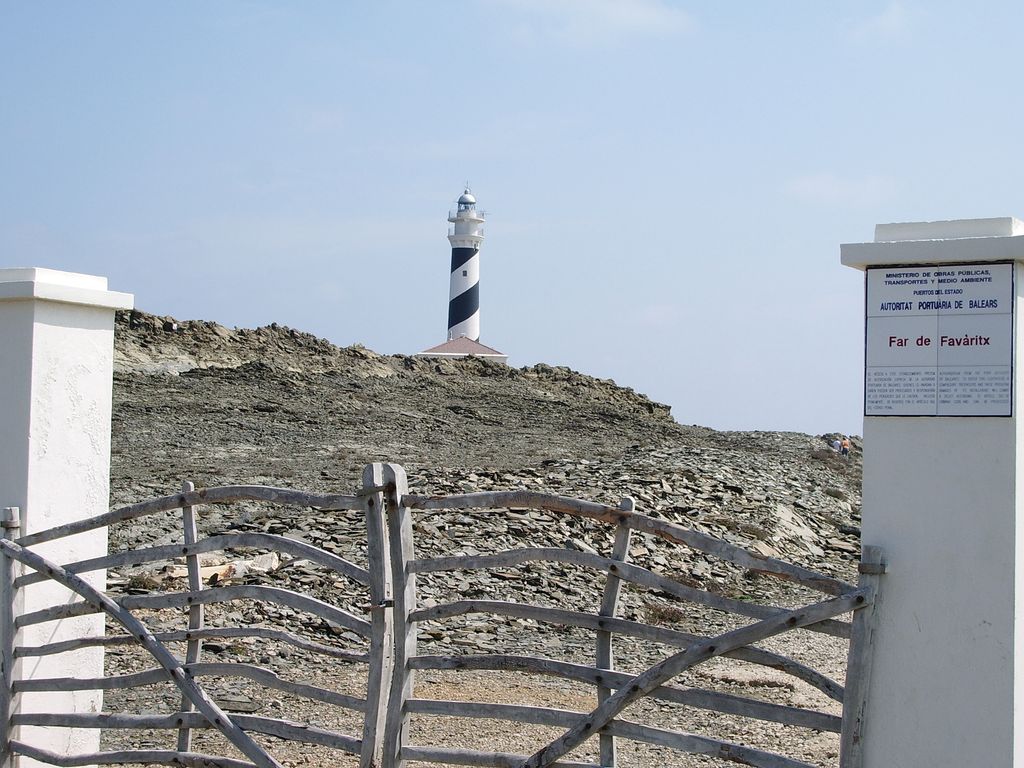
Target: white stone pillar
943,470
56,344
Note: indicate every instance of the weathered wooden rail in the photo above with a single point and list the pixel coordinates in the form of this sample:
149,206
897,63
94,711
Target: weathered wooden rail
389,630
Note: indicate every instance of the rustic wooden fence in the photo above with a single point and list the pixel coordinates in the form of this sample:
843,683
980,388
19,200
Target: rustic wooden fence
389,625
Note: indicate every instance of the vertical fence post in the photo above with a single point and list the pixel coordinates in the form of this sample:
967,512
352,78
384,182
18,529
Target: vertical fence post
10,521
378,679
858,665
195,612
609,606
404,587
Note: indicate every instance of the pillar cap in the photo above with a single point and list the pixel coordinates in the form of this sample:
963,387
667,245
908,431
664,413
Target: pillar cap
40,284
939,242
1004,226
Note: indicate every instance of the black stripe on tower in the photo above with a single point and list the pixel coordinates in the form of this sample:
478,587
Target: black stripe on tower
460,256
464,306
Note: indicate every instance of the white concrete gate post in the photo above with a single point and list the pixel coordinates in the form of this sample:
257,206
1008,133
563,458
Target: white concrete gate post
944,491
56,348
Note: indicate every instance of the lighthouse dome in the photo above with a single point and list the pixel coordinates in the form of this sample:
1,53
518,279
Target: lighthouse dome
467,199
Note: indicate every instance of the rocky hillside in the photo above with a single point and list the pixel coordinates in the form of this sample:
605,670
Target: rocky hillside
197,401
194,400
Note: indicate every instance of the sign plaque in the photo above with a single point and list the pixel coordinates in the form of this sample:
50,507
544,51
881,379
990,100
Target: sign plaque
939,340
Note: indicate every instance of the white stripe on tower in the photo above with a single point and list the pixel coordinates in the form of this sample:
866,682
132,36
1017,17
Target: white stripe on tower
466,236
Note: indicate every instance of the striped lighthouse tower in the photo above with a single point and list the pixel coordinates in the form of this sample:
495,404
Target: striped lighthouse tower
466,235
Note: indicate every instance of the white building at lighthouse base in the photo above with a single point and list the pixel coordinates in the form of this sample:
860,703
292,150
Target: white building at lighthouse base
464,347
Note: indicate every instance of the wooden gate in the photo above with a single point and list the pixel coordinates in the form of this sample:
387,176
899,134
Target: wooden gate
382,633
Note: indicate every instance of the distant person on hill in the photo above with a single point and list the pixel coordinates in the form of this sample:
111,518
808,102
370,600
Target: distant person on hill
836,445
845,447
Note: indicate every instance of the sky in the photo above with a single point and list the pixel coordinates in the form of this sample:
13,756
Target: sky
666,183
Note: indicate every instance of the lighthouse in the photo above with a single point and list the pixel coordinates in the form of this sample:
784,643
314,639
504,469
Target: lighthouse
466,235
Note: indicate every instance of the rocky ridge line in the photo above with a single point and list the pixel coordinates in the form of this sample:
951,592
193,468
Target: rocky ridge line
280,407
